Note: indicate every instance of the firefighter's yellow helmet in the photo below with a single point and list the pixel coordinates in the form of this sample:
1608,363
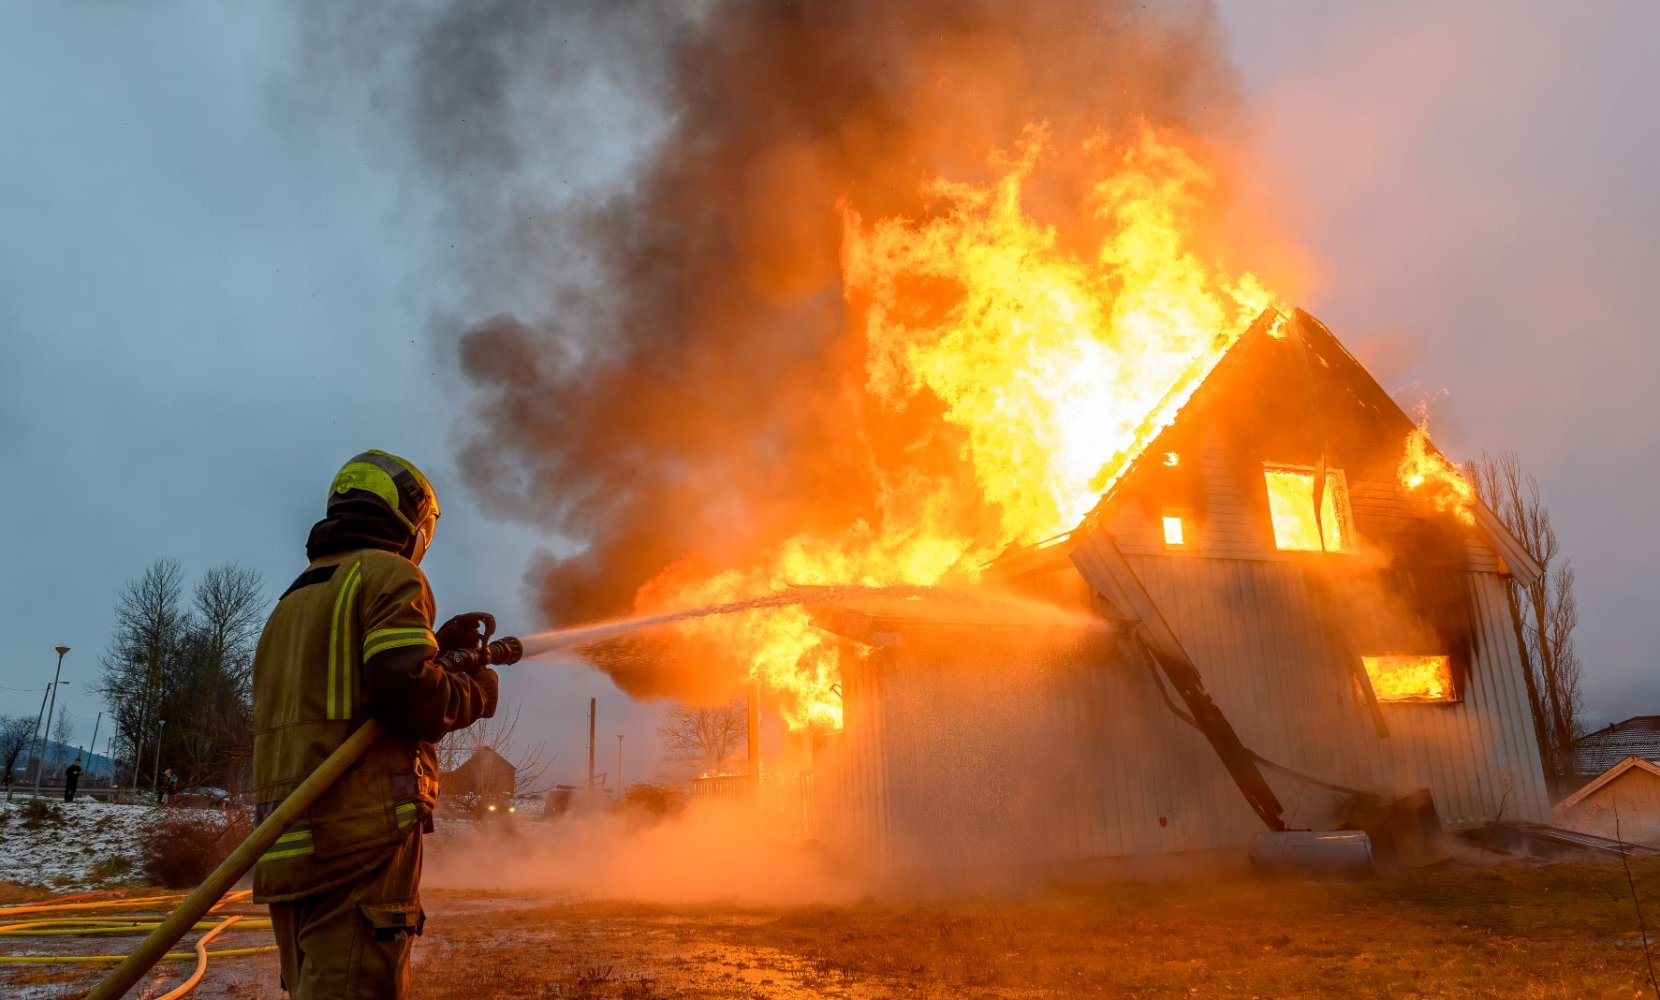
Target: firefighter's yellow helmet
398,486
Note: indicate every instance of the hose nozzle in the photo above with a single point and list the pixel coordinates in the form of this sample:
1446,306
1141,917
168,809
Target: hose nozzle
504,651
470,661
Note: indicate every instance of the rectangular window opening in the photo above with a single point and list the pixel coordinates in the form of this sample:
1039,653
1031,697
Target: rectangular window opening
1291,507
1398,678
1175,531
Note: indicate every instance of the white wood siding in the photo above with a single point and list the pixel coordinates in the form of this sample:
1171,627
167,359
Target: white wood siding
989,755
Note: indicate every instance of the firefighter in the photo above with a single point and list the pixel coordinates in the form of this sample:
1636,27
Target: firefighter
351,639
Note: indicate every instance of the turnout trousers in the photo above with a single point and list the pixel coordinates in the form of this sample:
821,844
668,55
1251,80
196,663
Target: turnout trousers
352,942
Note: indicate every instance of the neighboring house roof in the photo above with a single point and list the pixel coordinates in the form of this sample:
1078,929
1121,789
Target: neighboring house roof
1608,777
1638,736
485,772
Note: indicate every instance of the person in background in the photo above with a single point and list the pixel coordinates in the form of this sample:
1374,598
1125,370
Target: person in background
163,786
71,778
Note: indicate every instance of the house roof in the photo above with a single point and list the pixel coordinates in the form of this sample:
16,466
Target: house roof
1517,559
1638,736
1608,777
1338,367
487,760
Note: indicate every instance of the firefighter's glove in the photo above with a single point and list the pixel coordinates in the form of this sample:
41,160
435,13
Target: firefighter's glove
469,631
487,685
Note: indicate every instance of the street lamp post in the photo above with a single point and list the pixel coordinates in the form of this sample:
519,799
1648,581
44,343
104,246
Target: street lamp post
155,772
93,746
34,736
115,730
54,707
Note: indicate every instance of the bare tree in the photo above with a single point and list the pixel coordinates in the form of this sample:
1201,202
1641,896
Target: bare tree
703,740
496,734
230,607
148,620
190,666
15,733
1546,607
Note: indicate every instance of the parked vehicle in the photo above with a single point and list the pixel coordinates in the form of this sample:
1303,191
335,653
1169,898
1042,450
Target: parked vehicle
202,797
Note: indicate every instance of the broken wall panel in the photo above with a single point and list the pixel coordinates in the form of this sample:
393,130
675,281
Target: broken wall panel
1275,661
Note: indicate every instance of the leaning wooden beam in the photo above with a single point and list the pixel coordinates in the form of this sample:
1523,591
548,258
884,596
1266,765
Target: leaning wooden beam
1098,559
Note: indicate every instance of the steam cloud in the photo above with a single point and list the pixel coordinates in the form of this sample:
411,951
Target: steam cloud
643,199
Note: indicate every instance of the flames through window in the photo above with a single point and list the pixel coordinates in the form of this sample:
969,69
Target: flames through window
1411,678
1291,507
1175,535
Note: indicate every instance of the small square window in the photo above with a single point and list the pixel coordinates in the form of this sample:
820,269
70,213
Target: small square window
1411,678
1291,507
1175,531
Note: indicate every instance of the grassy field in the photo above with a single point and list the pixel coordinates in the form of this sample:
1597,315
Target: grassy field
1518,931
1535,931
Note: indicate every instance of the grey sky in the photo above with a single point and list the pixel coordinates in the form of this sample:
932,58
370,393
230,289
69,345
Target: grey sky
207,303
211,295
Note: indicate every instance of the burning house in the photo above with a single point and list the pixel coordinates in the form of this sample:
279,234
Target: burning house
1287,605
892,303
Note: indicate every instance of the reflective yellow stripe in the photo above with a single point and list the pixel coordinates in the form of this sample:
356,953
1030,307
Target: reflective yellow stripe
292,844
340,672
383,639
406,813
348,675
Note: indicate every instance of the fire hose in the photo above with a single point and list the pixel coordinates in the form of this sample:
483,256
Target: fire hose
154,948
66,916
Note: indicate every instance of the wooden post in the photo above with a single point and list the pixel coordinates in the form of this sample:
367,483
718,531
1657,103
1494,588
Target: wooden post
753,741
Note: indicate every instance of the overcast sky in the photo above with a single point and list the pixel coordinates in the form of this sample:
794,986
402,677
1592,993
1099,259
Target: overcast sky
211,296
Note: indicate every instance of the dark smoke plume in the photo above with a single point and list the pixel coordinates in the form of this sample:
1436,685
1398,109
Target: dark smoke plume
642,198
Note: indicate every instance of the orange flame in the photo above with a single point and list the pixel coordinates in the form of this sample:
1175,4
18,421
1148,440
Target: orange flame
1424,472
1050,370
1410,678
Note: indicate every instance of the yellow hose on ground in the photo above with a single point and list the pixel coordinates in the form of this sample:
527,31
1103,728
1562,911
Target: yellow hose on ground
172,956
81,919
121,903
107,904
60,929
201,962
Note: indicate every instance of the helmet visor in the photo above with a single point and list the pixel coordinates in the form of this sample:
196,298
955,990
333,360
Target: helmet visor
423,537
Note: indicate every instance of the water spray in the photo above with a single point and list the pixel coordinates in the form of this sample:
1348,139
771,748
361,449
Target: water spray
578,636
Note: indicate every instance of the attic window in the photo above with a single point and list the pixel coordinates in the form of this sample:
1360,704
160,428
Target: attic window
1411,678
1291,507
1175,529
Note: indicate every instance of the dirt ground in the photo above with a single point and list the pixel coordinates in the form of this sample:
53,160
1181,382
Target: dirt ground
1533,931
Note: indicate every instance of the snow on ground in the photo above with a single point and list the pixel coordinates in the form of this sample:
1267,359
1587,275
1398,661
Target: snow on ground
70,845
